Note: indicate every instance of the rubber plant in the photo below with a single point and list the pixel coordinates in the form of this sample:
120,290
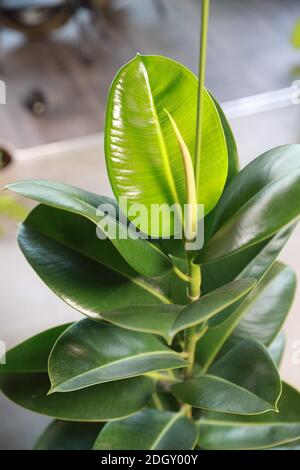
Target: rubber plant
180,347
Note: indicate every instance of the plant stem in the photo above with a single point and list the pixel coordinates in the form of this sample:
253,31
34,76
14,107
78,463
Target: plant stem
194,292
184,277
194,281
161,377
202,70
195,270
157,402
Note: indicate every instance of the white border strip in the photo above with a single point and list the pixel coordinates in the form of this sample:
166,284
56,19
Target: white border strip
263,102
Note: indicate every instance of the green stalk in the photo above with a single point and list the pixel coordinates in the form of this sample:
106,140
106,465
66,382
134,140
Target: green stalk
202,71
194,291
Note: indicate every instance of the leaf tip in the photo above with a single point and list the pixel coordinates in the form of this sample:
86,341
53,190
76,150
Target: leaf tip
51,391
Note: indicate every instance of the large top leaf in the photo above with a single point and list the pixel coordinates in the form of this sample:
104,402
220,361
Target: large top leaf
24,379
149,430
143,157
143,256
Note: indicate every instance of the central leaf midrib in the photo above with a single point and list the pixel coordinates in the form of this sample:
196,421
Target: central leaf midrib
214,422
161,140
164,430
120,361
239,387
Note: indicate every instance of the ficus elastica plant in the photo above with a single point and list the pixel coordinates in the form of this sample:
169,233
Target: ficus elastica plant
182,298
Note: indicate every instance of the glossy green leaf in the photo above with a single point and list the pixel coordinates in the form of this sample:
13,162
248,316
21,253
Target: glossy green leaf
276,348
258,257
233,159
32,355
233,165
244,381
143,157
87,273
24,380
66,435
143,256
215,338
156,319
211,304
149,430
90,353
226,431
266,315
105,402
293,445
260,200
168,320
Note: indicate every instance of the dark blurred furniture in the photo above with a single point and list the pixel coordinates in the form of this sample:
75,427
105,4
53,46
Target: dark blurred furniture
36,17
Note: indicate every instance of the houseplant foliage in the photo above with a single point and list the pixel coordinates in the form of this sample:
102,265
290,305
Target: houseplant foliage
178,348
11,209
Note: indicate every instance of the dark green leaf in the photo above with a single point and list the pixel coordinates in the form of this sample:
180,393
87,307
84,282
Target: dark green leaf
257,267
276,348
260,200
64,435
105,402
156,319
268,311
143,256
87,273
259,258
91,352
149,430
32,355
226,431
244,381
24,380
211,304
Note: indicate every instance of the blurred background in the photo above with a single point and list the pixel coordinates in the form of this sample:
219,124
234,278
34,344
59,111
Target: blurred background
57,60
